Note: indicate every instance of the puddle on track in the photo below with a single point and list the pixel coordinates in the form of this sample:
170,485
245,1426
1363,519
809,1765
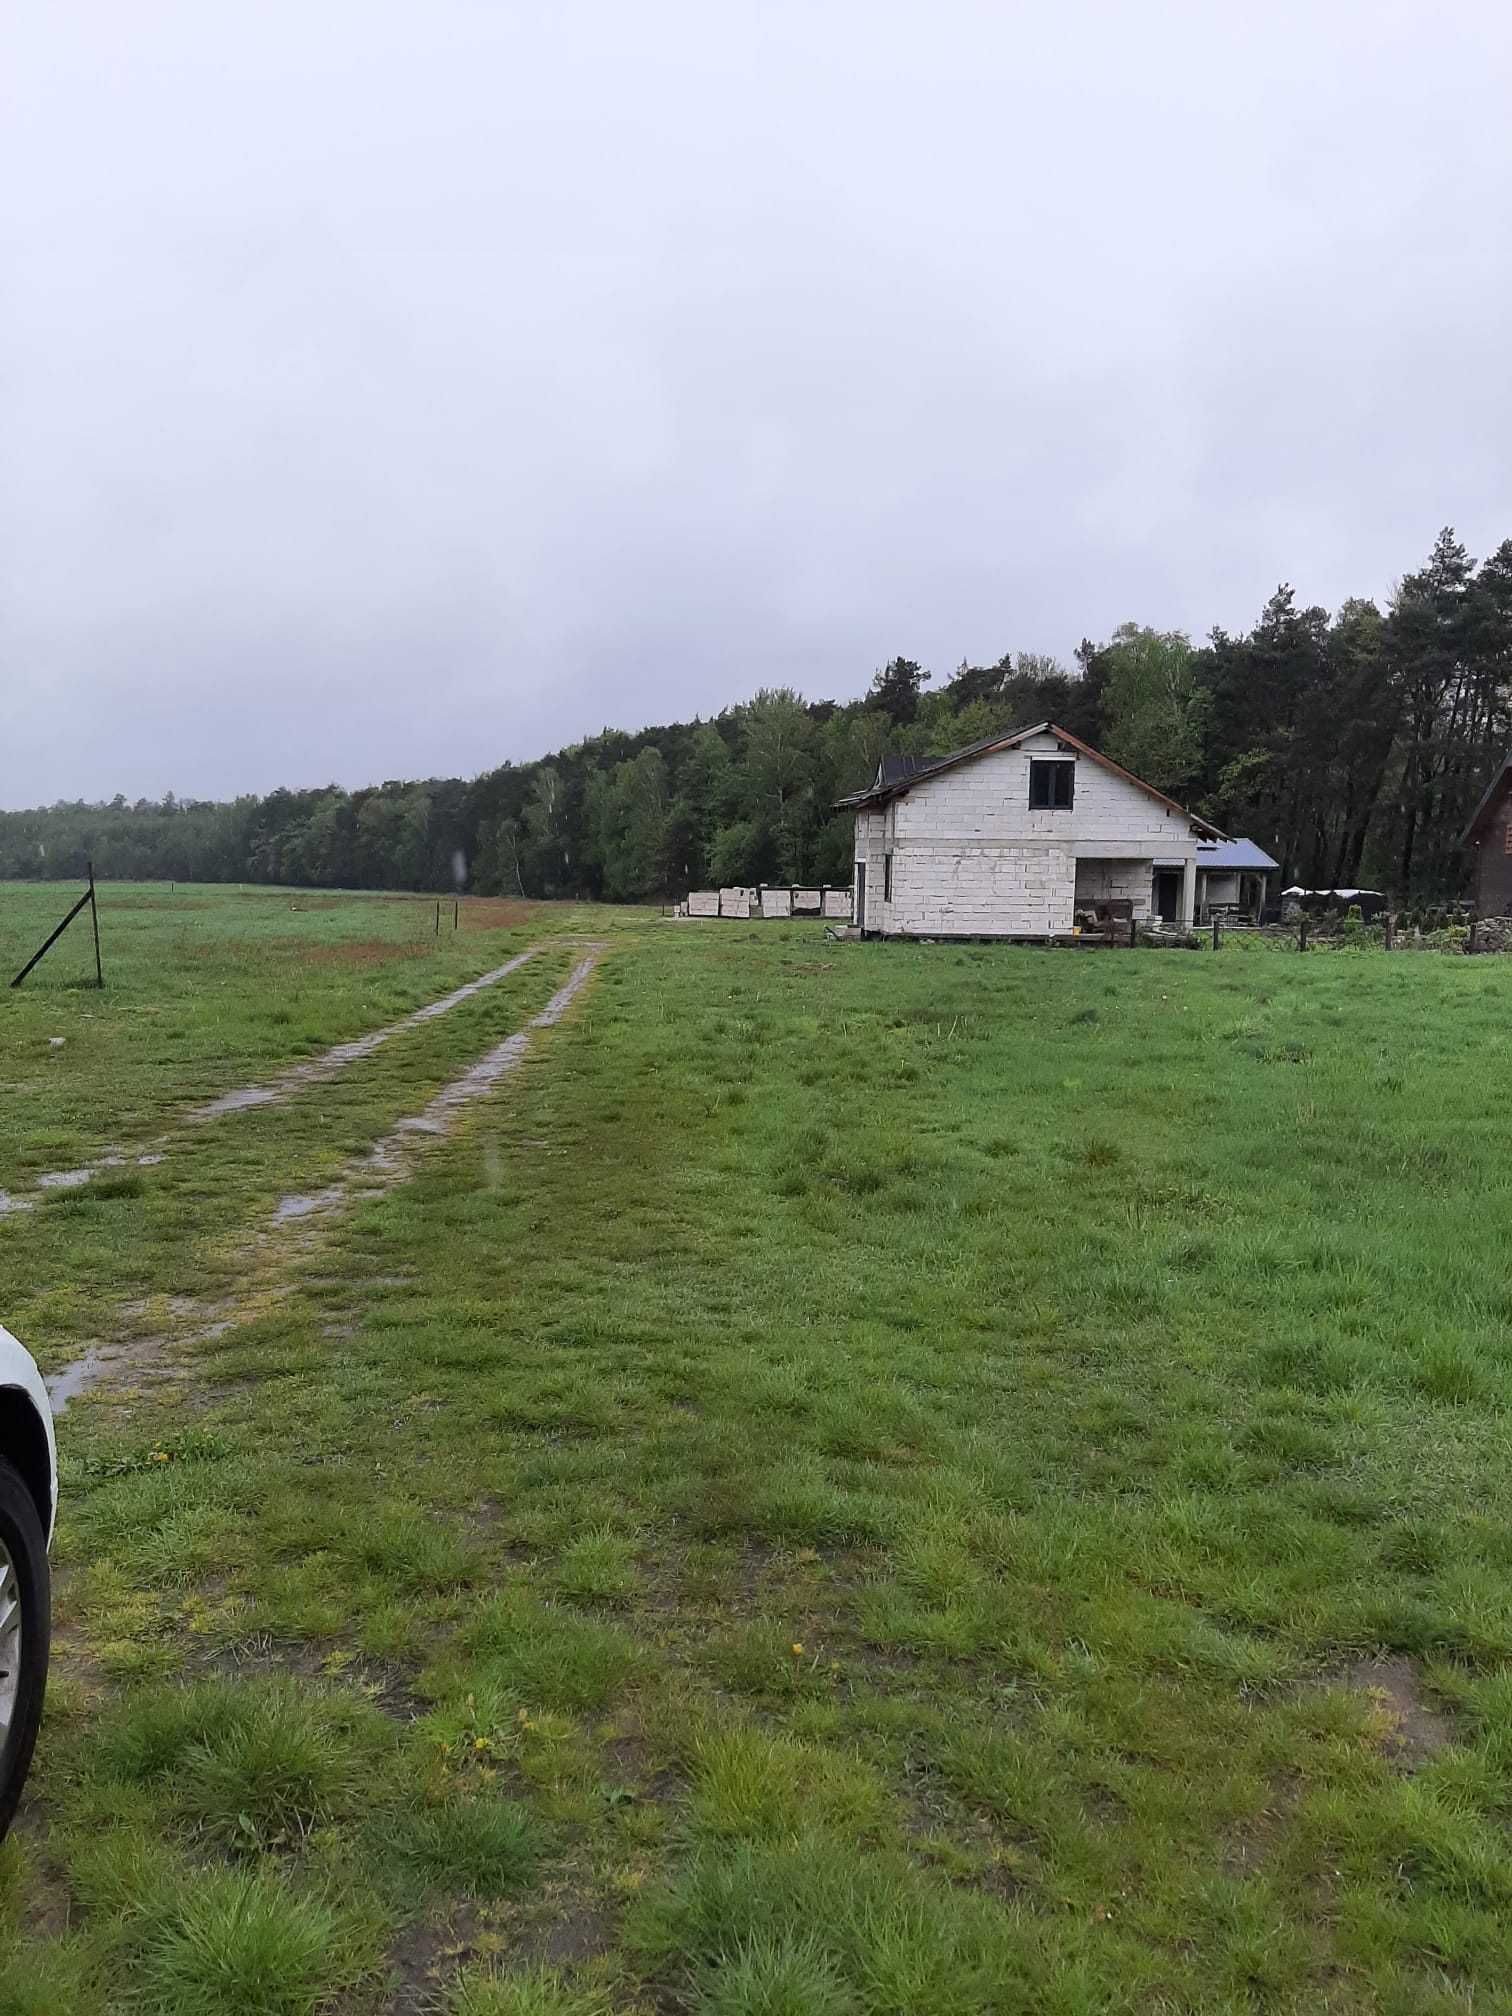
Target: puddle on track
75,1179
387,1162
79,1377
143,1355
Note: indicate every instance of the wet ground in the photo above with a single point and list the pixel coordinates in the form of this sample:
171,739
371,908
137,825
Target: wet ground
389,1162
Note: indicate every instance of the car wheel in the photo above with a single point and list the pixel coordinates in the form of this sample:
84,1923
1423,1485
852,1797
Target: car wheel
25,1629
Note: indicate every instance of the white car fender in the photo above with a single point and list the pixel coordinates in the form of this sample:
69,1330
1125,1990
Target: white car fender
18,1373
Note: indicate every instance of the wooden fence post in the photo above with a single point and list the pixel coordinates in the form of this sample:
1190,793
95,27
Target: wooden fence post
438,918
1388,942
1217,931
1302,933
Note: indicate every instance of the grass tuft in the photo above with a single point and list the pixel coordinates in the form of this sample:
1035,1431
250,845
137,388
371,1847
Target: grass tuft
537,1992
246,1945
482,1847
775,1977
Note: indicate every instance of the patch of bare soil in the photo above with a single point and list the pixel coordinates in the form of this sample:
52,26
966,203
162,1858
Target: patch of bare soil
578,1929
426,1955
380,1681
1412,1730
563,1929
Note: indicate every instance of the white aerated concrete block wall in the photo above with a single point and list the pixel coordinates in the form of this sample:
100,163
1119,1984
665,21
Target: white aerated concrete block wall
837,903
1115,882
734,902
776,902
807,901
870,832
981,892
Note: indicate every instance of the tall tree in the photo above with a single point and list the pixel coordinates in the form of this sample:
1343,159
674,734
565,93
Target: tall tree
1153,705
896,689
1430,636
777,744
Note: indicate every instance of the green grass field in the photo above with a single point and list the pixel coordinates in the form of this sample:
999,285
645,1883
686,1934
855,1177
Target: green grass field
858,1481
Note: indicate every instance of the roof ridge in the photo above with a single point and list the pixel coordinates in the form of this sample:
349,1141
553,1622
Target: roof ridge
883,789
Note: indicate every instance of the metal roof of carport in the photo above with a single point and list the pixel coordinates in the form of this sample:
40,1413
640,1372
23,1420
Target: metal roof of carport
1232,854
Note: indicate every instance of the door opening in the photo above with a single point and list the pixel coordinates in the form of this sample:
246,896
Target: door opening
1167,894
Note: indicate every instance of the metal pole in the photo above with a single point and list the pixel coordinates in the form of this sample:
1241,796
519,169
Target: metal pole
94,918
40,953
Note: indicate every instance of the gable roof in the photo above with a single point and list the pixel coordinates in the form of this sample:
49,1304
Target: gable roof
897,769
1478,817
926,768
1231,854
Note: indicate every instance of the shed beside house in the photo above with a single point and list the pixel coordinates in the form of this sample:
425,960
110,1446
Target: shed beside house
1231,879
1487,841
1012,837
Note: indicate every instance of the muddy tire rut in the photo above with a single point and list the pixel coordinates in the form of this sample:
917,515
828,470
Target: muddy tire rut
294,1078
298,1219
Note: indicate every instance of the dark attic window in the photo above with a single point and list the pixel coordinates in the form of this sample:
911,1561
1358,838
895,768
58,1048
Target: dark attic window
1050,785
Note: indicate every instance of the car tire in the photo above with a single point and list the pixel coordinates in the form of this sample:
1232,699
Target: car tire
25,1601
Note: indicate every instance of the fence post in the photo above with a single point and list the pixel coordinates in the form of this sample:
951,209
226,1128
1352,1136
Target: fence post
1388,942
456,911
1302,933
94,918
1470,941
42,950
438,919
1133,931
1217,929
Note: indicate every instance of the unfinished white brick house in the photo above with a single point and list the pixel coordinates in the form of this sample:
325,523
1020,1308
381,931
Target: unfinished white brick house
1013,837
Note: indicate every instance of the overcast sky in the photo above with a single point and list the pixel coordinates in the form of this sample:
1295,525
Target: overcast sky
390,387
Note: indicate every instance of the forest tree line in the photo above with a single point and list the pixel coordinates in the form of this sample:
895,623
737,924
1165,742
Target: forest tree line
1352,746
